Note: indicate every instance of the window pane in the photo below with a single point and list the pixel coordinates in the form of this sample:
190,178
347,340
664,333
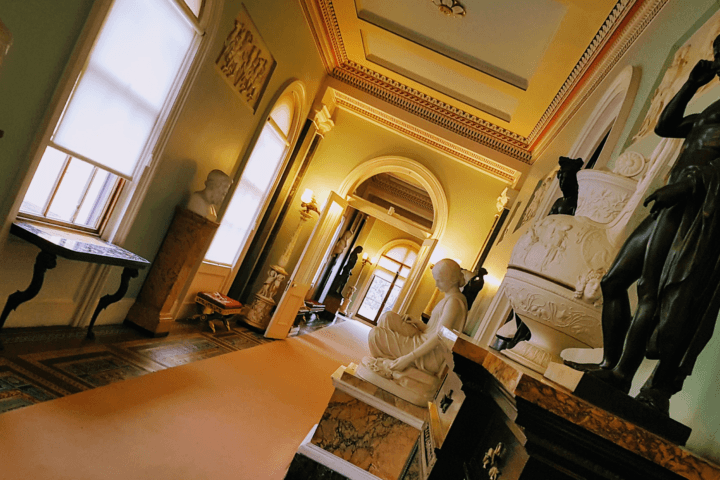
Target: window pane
384,274
404,271
96,198
392,298
255,184
119,97
194,6
264,162
235,226
388,264
283,113
373,298
70,190
43,181
410,259
397,253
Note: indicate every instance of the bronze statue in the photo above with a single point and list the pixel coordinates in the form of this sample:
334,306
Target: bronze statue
473,286
347,269
673,255
567,177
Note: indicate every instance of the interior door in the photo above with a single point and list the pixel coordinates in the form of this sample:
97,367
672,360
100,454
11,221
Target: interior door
415,275
305,271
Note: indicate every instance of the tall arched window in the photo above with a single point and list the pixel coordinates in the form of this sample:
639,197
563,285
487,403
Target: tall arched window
386,281
105,133
259,177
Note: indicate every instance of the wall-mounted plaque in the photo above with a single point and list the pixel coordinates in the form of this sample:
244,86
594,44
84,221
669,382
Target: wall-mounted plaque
245,63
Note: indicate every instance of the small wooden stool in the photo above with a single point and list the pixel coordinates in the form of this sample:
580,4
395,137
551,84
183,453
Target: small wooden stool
215,303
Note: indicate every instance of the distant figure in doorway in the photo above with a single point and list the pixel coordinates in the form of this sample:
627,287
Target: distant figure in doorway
347,269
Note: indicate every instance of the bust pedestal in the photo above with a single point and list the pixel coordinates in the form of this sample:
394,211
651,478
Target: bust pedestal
179,257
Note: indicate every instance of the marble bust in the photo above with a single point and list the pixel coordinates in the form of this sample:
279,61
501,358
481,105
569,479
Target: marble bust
204,201
408,356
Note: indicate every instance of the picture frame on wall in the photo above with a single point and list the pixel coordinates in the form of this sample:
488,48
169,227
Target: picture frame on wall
245,62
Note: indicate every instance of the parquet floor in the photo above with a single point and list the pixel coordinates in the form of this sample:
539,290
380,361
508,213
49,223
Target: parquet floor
43,363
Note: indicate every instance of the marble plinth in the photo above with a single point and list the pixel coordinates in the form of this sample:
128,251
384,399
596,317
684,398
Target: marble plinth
365,433
179,257
614,401
258,315
312,462
366,437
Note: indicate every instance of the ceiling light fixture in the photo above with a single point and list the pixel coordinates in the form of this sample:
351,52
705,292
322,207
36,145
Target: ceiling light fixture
451,8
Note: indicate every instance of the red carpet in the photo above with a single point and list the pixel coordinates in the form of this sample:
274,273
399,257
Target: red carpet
237,416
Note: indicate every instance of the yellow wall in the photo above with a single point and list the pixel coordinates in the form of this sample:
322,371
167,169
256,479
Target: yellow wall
214,130
471,195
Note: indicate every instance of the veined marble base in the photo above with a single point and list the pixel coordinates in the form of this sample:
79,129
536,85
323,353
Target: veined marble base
365,433
313,462
366,437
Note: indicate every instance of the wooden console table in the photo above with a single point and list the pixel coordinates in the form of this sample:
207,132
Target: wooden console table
516,425
54,242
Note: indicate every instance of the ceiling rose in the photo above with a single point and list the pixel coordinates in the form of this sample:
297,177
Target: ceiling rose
451,8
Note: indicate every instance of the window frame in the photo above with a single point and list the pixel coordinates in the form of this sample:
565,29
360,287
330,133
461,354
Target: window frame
297,90
367,283
125,201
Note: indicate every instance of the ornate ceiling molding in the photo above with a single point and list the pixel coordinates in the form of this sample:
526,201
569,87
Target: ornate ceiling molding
473,159
594,67
395,188
622,27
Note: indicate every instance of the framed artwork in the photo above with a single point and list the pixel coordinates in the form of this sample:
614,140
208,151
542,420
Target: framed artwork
245,63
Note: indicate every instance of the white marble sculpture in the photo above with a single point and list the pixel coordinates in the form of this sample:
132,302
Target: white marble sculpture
408,356
204,201
553,277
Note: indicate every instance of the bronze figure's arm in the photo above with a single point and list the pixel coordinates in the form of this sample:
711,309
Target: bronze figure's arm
672,124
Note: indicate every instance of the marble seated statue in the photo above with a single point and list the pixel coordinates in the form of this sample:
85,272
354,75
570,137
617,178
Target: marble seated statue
409,357
204,202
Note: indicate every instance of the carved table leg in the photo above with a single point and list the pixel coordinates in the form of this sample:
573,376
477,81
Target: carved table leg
109,299
43,262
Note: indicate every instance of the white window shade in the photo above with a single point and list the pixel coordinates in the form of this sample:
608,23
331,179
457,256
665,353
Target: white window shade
249,198
121,93
282,114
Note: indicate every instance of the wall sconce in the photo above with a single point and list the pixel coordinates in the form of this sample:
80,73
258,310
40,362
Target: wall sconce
308,202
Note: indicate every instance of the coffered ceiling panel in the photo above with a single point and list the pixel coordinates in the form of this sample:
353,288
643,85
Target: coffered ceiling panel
505,39
506,74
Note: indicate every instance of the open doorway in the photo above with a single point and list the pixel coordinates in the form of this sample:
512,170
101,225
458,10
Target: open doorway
310,275
390,217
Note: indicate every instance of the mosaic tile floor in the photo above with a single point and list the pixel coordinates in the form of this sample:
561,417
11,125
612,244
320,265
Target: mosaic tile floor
43,363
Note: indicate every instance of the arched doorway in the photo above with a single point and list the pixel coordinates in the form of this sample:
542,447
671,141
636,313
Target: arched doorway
381,290
320,244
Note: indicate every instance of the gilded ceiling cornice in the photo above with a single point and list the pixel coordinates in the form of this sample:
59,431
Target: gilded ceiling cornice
433,110
467,156
394,188
623,25
591,71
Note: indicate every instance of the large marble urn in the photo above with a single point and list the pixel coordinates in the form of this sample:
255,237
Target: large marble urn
554,273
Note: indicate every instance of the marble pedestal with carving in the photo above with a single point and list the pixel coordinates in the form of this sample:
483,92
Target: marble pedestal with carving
260,311
179,257
365,433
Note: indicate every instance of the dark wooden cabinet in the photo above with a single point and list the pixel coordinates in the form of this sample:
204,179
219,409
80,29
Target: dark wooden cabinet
516,425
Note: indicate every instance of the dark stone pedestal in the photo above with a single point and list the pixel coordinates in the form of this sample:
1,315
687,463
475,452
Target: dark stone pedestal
614,401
